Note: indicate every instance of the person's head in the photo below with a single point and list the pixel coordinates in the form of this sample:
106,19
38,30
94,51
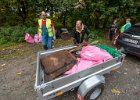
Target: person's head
43,15
128,20
115,21
79,24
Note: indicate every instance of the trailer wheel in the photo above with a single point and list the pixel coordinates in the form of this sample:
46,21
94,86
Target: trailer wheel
94,93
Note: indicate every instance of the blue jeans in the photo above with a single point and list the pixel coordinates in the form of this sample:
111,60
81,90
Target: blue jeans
46,40
49,43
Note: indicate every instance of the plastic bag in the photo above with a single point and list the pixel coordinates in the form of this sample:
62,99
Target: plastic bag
94,53
37,38
28,38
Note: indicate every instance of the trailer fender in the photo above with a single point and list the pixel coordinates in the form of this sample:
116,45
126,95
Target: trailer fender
89,84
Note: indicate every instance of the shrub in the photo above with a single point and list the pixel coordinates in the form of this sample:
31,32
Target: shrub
96,34
15,34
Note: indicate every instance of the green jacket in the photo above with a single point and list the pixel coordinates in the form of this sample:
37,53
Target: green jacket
125,27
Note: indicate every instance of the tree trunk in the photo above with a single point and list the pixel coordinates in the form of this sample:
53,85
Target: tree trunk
96,21
64,18
22,10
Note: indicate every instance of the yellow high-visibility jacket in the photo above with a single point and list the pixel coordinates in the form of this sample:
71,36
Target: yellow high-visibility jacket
48,26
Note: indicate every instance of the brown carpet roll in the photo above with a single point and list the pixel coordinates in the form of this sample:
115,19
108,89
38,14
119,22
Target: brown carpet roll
58,63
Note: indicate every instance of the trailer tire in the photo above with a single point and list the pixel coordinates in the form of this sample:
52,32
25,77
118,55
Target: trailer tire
94,93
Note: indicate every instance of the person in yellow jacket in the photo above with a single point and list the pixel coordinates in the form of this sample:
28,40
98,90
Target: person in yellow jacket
46,30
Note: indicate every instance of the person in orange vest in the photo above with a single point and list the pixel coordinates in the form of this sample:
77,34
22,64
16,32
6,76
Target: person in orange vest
46,30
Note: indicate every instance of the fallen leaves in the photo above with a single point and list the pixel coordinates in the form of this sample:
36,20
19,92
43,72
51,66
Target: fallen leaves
19,73
115,91
118,72
125,73
3,65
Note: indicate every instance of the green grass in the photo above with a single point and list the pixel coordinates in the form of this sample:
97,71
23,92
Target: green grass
10,45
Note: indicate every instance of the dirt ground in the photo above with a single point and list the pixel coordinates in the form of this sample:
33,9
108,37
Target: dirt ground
17,70
17,76
17,73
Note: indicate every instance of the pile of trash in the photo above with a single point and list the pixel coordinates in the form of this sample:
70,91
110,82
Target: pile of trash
30,39
74,60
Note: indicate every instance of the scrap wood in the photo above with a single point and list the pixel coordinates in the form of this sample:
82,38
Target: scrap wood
75,49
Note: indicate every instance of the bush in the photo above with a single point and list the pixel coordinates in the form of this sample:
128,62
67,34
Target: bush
15,34
96,34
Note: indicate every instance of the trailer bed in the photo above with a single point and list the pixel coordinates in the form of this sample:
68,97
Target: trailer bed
51,88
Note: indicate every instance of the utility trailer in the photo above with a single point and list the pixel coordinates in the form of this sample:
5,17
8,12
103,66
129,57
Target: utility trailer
90,82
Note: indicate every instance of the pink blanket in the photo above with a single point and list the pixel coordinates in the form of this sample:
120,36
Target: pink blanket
90,56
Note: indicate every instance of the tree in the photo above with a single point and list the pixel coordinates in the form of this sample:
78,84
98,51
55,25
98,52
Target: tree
95,13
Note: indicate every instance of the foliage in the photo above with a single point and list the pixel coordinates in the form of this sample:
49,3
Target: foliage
15,34
96,35
93,12
97,14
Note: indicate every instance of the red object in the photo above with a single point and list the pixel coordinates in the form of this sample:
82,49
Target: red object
44,22
52,24
79,97
85,43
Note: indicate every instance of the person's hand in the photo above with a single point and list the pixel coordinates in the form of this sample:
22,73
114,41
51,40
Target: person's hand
54,37
77,44
85,43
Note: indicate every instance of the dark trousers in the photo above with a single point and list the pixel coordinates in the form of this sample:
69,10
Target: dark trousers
111,35
45,47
